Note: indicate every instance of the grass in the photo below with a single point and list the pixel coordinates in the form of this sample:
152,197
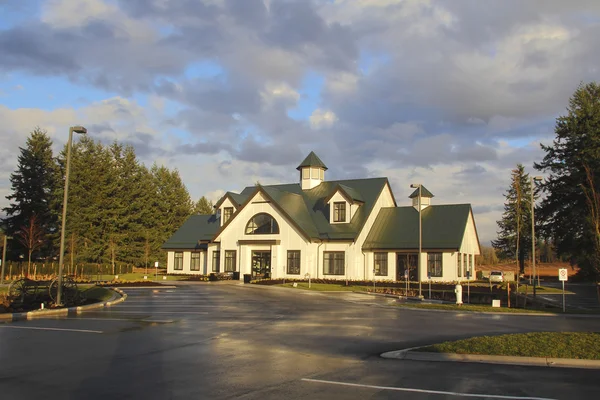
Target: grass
542,290
325,287
472,307
137,276
579,345
95,293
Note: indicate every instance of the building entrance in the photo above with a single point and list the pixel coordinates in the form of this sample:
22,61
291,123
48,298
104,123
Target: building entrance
404,262
261,264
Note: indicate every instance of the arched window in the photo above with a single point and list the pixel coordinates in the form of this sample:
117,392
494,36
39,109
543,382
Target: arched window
262,224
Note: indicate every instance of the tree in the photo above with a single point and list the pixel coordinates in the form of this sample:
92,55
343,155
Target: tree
568,213
514,234
31,236
34,187
203,206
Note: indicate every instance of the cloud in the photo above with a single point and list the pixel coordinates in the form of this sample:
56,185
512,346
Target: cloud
322,119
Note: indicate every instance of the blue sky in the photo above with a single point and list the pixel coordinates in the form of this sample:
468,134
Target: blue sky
451,94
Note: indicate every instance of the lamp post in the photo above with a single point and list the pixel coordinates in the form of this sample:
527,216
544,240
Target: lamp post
81,130
419,186
4,258
534,179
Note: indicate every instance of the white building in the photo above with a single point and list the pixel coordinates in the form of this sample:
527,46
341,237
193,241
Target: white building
351,229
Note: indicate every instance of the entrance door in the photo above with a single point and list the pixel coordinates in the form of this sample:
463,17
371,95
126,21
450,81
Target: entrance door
261,264
404,262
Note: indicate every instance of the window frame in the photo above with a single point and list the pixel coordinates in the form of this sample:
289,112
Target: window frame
335,257
337,217
274,225
459,266
305,173
227,214
216,261
380,266
195,256
437,259
230,261
293,262
178,261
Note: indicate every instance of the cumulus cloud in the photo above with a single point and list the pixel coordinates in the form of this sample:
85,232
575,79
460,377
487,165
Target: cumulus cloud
452,94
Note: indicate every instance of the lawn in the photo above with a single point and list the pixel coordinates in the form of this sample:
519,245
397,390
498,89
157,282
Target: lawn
136,276
95,293
542,290
470,307
579,345
326,287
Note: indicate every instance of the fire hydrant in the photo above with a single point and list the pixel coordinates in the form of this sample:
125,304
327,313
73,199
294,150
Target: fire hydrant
458,291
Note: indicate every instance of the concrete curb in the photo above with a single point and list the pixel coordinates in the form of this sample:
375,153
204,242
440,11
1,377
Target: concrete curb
118,297
410,354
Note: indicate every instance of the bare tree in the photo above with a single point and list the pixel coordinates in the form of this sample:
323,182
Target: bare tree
31,236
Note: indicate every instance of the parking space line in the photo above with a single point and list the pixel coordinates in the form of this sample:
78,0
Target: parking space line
49,329
150,312
487,396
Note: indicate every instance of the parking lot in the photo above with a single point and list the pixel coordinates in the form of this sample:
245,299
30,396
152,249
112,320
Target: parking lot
241,341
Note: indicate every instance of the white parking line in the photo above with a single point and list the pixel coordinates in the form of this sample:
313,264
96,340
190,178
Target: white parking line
487,396
151,312
124,305
49,329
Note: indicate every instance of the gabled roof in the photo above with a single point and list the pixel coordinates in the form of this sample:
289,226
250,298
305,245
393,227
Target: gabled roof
308,210
196,229
235,198
351,194
424,193
443,227
312,161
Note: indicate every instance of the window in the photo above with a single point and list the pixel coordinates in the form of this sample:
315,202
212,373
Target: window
227,213
216,261
229,260
262,224
195,263
314,174
381,264
293,262
178,261
471,265
334,263
434,264
322,174
339,211
459,265
305,173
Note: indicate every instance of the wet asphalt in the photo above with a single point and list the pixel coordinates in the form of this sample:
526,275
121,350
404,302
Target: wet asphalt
231,341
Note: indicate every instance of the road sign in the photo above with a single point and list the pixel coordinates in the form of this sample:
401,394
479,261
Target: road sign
563,274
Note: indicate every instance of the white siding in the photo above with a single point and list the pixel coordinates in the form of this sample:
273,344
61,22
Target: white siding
338,198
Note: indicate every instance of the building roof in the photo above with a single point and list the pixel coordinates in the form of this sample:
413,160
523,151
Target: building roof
443,227
196,229
235,198
312,160
309,210
424,193
351,194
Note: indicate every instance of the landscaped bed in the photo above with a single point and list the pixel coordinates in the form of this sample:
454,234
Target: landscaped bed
578,345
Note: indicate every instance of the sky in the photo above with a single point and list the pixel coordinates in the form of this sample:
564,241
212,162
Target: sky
449,94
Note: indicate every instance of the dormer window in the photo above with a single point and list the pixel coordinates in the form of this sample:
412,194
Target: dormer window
339,211
227,213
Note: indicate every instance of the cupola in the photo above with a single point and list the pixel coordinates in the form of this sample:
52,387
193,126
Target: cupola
312,171
426,196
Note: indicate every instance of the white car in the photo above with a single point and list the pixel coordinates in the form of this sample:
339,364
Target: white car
496,276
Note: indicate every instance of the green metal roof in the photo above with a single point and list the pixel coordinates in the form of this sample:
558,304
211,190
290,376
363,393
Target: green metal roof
424,193
443,227
196,228
312,161
236,199
310,212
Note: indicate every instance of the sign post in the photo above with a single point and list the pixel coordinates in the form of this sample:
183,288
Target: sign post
156,269
406,279
563,276
429,277
468,287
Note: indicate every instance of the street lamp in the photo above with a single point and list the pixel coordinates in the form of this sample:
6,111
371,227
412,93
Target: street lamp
414,186
81,130
534,179
4,258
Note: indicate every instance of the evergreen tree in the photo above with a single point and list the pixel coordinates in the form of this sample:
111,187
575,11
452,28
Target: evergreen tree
569,211
203,206
34,185
514,234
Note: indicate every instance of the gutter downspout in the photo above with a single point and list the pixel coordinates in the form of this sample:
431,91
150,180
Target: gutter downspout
318,247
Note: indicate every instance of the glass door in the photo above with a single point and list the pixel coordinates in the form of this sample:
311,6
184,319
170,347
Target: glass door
261,264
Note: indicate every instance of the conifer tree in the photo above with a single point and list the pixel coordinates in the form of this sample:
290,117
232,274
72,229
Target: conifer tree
203,206
514,234
569,212
34,185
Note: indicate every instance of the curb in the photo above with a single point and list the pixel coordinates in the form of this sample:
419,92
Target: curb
118,297
410,354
